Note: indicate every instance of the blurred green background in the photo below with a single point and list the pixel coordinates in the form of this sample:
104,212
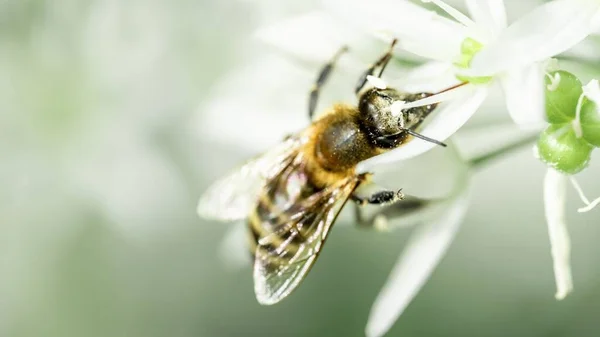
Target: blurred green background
103,157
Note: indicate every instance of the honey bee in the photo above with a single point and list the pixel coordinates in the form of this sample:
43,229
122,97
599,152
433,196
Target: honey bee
292,194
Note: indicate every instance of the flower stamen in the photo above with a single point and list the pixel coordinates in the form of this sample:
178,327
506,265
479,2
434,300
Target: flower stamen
576,123
554,81
444,95
579,190
588,205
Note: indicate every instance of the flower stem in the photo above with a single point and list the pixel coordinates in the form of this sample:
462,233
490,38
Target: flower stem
487,158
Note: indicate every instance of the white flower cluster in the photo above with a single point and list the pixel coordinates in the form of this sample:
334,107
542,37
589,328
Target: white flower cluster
473,55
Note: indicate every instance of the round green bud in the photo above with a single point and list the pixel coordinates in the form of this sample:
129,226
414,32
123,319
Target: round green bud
560,148
590,122
562,93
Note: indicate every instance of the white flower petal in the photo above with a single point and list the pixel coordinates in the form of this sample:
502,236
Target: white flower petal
430,77
550,29
418,30
453,12
524,95
554,202
425,249
488,13
450,117
226,118
313,37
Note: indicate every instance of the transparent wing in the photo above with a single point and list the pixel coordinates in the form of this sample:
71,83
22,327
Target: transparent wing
284,257
232,197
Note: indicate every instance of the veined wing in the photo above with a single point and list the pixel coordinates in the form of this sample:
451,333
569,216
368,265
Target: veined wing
284,256
232,197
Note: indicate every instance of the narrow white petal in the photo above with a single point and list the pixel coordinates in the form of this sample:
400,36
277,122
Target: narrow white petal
418,30
554,202
453,12
524,95
450,117
488,13
313,37
426,247
550,29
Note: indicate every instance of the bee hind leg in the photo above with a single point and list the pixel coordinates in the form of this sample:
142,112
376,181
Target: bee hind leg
380,198
321,79
368,192
385,197
391,215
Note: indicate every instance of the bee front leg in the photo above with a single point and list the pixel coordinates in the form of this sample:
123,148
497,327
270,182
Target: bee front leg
321,79
382,62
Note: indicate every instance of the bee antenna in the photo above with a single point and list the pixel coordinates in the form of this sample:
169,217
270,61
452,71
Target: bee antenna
425,138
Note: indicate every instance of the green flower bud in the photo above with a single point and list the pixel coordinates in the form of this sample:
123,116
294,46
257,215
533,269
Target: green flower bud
562,97
559,147
590,122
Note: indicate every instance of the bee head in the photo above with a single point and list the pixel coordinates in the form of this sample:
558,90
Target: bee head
381,121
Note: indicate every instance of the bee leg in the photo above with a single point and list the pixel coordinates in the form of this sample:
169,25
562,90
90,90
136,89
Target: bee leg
321,79
380,198
391,215
370,194
382,62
